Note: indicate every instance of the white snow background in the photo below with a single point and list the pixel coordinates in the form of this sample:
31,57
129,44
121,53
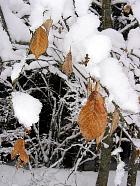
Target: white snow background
10,176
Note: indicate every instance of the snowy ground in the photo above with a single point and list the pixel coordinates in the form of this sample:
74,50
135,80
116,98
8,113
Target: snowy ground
9,176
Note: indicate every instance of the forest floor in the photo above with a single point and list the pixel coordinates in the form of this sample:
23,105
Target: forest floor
10,176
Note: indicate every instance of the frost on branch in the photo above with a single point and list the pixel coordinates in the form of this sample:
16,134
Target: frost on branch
26,108
6,51
119,173
55,11
135,5
16,27
17,69
82,6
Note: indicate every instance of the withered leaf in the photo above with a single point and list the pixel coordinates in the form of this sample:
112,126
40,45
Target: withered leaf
93,117
137,153
98,139
115,121
127,8
39,42
67,66
47,25
19,149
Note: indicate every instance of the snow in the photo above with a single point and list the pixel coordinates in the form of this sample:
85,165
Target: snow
119,173
98,47
16,71
6,73
82,6
136,9
19,7
17,29
136,142
84,27
133,39
116,37
113,77
116,151
84,38
17,68
36,17
26,108
54,10
6,51
9,176
68,9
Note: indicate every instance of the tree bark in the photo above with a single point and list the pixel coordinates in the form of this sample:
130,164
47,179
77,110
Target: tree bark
106,14
133,167
105,160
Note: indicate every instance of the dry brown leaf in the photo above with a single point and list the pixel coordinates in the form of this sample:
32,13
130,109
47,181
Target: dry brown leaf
93,117
24,157
47,25
127,8
98,139
67,66
137,153
19,149
115,121
39,42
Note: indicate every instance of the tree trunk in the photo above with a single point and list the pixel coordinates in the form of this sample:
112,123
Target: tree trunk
133,164
105,160
132,169
106,14
104,166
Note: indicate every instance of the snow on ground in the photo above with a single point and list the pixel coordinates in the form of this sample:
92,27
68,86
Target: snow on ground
10,176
